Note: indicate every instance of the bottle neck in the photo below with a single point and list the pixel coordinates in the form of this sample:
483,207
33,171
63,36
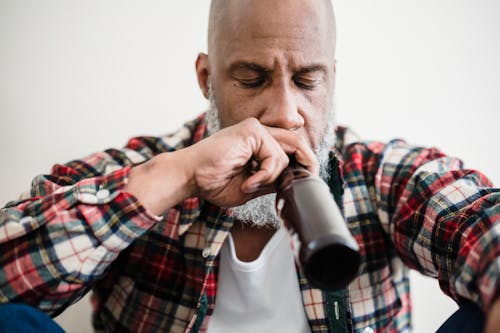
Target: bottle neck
292,172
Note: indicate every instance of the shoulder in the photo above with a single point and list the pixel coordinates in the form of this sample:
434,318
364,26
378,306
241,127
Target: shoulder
189,133
389,160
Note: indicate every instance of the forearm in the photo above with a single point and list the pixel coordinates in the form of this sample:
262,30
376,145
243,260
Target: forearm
86,222
54,247
443,220
162,182
455,238
65,231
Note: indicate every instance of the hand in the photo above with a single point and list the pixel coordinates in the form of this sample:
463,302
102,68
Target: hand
493,318
218,167
220,163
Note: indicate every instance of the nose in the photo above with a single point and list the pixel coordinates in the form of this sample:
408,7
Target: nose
282,109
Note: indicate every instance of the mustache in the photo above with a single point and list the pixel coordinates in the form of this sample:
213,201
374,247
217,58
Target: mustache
261,211
322,152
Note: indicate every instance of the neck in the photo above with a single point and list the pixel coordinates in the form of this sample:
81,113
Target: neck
249,241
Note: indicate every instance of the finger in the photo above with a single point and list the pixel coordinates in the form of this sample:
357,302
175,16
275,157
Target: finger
294,144
269,152
270,158
269,170
266,175
256,189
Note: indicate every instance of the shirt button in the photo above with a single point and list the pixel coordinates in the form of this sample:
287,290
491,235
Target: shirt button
280,204
102,194
206,252
27,220
368,330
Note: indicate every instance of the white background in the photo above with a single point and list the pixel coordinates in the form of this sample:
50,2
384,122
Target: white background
81,76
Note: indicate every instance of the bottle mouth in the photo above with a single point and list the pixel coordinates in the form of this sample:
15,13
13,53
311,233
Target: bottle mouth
330,263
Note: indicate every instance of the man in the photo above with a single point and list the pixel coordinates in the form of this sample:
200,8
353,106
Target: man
149,228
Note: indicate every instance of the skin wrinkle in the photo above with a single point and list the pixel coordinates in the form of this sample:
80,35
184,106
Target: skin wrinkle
261,211
248,42
268,33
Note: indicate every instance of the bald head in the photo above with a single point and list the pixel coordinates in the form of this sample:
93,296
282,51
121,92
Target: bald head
230,19
273,60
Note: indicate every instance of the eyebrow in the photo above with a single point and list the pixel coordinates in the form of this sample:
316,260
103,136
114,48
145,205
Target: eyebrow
248,65
312,68
261,69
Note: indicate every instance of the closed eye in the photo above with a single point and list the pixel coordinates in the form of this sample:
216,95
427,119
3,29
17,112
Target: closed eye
249,75
252,83
310,77
305,83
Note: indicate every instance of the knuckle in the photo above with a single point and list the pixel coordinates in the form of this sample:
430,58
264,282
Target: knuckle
303,141
286,162
251,123
298,140
252,127
316,163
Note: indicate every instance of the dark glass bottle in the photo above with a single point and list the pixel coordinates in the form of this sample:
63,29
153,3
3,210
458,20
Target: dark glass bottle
329,254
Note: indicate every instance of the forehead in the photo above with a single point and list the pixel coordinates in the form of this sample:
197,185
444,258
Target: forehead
295,31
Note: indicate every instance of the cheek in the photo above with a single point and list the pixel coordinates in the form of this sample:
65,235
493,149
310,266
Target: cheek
234,109
235,105
314,132
316,119
226,103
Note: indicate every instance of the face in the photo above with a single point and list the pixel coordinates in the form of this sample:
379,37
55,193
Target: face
260,211
272,60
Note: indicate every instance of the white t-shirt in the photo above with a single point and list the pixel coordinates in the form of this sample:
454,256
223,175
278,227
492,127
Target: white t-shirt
259,296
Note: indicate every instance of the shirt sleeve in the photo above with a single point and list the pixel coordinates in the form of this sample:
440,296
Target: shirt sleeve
443,219
62,234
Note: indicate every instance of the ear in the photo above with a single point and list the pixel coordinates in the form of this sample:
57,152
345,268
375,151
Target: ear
203,73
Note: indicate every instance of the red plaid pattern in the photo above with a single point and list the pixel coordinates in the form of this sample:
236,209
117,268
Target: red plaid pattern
408,207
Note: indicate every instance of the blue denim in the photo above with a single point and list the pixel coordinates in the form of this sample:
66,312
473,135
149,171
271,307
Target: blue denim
467,319
21,318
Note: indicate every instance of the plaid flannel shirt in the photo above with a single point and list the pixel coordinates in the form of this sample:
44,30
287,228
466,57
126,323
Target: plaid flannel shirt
406,206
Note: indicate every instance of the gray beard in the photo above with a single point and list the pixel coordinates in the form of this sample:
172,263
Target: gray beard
261,211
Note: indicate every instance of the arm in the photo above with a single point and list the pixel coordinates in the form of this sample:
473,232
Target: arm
444,220
61,235
62,238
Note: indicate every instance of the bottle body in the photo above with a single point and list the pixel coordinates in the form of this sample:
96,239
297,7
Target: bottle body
329,254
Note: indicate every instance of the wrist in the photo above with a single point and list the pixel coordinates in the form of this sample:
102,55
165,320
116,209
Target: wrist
177,174
162,182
